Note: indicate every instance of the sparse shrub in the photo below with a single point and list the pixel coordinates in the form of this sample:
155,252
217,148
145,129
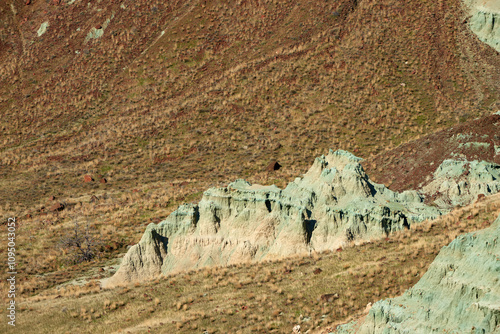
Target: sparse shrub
81,244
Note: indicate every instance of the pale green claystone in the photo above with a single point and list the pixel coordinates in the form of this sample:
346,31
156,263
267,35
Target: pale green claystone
333,203
460,293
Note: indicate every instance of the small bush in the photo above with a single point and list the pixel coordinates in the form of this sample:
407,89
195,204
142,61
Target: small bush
81,245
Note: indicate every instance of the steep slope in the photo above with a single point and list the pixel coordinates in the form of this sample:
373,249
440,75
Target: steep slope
334,203
411,165
154,90
459,293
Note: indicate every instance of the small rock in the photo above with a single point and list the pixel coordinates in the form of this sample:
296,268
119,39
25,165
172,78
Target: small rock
88,178
480,197
52,198
368,307
98,26
103,180
317,271
28,2
273,166
57,207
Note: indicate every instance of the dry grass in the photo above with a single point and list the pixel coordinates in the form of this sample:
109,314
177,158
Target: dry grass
228,88
224,91
265,297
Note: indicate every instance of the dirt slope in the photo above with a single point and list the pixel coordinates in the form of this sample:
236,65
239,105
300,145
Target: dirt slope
410,165
176,97
212,91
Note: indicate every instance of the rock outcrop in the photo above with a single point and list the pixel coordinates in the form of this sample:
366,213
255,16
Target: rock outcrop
335,202
145,259
460,293
458,183
484,19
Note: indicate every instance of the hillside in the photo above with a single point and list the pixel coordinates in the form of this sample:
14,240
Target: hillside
316,292
115,113
170,91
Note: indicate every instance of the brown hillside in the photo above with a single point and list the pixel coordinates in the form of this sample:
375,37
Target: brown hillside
410,165
226,88
177,96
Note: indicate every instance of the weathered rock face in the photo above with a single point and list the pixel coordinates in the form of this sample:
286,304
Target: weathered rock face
458,183
143,260
484,19
333,203
460,293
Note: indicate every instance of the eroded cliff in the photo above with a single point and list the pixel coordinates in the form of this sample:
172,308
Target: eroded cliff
484,19
335,202
460,293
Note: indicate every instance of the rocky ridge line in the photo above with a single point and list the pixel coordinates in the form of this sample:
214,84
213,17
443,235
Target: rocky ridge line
334,203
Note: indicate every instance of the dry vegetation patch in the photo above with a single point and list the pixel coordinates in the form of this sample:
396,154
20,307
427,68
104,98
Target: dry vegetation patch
175,98
271,296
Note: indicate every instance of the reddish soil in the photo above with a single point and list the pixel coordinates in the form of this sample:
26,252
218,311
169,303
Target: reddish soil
409,165
226,88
